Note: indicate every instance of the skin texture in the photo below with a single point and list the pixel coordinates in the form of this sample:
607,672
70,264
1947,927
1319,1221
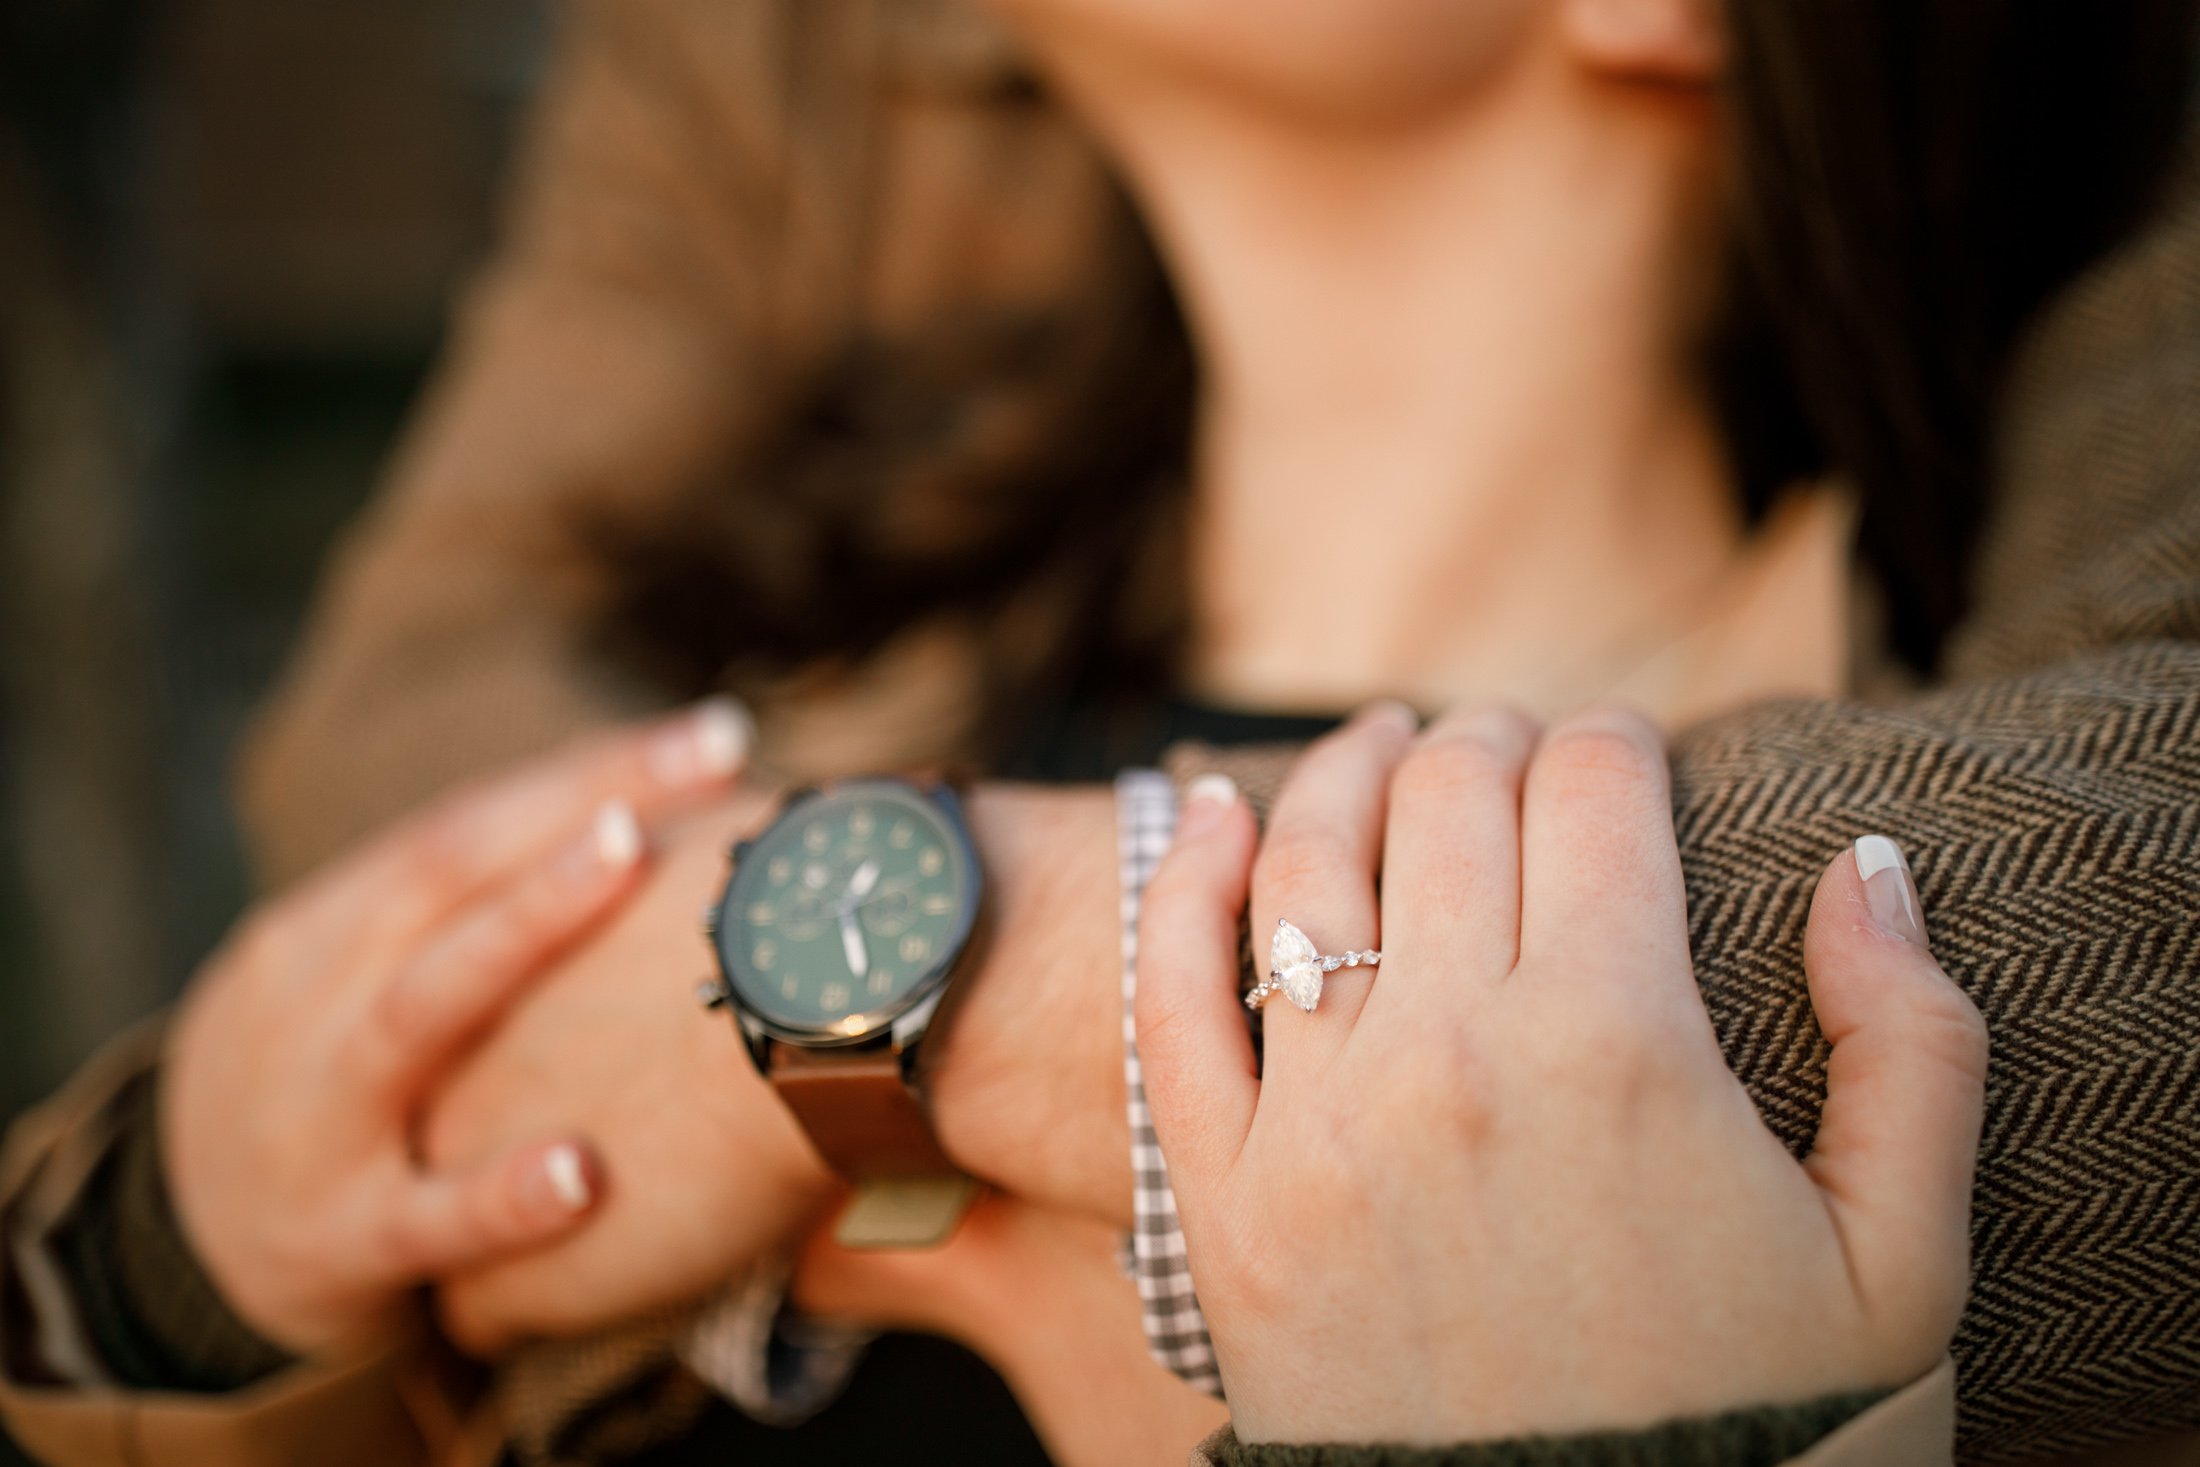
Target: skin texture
707,1171
1564,1212
294,1175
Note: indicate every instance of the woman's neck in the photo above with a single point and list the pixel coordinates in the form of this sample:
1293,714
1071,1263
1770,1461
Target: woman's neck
1450,444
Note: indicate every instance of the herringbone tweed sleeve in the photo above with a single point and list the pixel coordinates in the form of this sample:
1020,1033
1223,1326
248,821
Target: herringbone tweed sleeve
2048,792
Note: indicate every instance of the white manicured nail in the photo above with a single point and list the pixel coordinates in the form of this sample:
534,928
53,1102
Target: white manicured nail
618,836
724,734
711,743
568,1177
1218,789
1890,892
1205,800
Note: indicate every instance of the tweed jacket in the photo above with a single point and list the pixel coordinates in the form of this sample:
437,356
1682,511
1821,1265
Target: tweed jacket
698,214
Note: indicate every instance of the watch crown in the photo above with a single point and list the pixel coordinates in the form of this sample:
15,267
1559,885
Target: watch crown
710,921
740,851
712,993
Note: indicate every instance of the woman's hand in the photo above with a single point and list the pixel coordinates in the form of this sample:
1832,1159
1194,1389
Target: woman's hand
305,1048
1505,1183
1038,1292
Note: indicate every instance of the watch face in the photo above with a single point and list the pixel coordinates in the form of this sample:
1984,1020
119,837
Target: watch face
851,907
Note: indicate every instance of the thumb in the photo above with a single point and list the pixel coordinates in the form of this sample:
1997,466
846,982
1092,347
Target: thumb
1905,1089
452,1223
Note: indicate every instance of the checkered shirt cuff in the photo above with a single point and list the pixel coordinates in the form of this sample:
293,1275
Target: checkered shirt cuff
1176,1332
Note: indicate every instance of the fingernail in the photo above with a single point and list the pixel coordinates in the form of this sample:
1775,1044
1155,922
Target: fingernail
617,836
1393,712
1206,800
567,1173
1889,890
711,742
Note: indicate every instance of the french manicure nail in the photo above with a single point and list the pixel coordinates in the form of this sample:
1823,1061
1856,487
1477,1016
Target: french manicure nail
617,836
724,734
1890,892
567,1175
711,742
1206,799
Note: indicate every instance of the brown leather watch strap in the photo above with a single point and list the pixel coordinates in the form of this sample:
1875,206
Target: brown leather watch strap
859,1113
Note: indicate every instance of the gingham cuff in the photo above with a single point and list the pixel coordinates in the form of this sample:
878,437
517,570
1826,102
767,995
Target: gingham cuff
1176,1331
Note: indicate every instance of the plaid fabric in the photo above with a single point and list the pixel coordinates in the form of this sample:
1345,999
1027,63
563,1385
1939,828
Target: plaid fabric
1176,1332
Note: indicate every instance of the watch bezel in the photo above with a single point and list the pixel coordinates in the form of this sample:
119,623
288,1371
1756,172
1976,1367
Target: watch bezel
869,1026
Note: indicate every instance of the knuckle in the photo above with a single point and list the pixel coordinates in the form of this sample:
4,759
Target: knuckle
402,1014
1948,1025
1455,764
1598,760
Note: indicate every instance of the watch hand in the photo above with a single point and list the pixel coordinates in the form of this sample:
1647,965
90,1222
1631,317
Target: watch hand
851,942
860,884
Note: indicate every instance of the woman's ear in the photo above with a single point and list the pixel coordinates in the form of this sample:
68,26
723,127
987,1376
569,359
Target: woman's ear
1677,41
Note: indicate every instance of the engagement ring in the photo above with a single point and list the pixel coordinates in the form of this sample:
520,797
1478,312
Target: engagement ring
1295,969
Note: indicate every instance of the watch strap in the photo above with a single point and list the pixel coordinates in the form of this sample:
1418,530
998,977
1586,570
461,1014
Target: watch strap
858,1111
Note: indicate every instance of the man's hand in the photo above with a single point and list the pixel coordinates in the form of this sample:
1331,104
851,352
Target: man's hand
706,1171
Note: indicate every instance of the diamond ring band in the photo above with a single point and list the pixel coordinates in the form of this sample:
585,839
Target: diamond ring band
1295,969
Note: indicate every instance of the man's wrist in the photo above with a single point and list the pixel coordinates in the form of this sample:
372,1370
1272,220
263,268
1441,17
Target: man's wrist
1027,1082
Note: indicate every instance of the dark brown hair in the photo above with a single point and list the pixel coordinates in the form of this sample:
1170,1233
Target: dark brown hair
1913,179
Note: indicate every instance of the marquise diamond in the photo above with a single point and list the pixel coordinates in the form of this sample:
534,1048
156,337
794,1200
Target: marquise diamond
1296,966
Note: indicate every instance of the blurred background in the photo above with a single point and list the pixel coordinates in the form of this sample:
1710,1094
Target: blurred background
228,235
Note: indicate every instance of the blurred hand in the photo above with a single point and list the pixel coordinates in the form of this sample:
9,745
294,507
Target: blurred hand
307,1044
1505,1183
709,1171
1038,1293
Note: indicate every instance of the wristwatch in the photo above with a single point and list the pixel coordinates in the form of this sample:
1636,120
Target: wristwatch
840,930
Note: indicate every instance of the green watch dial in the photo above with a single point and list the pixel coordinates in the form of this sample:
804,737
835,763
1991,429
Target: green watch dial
847,910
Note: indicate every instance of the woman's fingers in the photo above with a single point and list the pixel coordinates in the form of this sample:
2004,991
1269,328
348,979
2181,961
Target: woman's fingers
449,1224
1193,1047
1316,870
1905,1087
1451,861
1601,898
432,862
465,974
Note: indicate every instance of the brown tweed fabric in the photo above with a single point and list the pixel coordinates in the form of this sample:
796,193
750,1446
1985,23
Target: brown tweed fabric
2048,795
